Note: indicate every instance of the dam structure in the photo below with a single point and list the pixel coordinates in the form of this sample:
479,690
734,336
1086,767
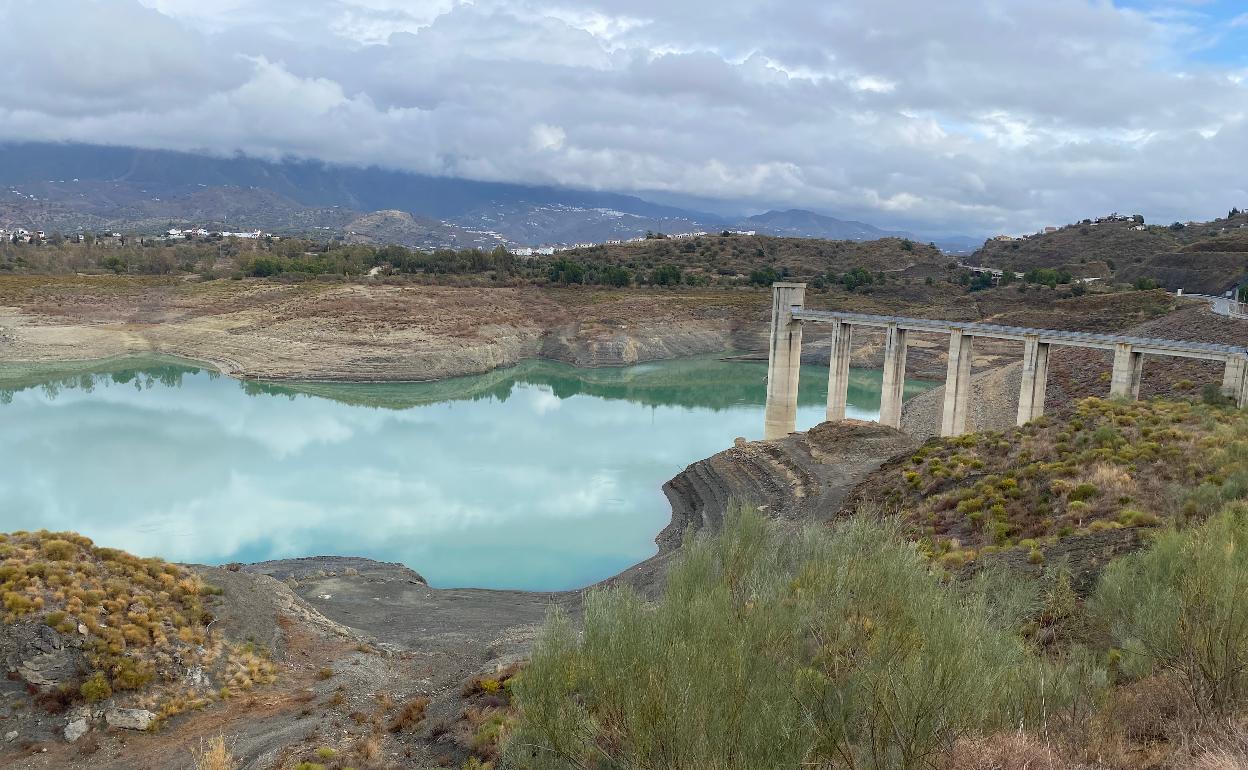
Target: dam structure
788,316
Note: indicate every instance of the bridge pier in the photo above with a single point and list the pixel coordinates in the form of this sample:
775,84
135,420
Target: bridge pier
838,370
785,357
1128,367
1035,383
784,361
1235,380
957,384
893,392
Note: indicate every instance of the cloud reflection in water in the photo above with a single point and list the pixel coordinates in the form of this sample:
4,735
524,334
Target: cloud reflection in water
542,477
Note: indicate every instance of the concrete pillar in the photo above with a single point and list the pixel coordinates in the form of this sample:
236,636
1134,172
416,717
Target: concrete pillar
1128,366
784,360
1035,382
1235,380
893,392
957,384
838,371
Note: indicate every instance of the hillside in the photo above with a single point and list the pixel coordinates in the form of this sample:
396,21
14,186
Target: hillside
743,255
383,228
1208,258
807,224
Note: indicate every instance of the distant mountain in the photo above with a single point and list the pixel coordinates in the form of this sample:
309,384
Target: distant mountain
71,187
808,224
309,183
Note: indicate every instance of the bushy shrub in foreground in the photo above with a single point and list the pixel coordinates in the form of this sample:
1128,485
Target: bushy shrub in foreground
827,648
1179,609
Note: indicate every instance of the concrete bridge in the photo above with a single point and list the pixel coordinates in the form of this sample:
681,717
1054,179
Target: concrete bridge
788,316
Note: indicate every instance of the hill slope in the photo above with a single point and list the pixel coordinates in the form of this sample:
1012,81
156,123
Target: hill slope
1208,257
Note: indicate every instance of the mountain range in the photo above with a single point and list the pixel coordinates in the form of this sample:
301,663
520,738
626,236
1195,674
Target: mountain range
80,187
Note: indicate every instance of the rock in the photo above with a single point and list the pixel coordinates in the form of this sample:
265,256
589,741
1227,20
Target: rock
129,719
49,669
76,728
10,736
82,629
49,640
196,677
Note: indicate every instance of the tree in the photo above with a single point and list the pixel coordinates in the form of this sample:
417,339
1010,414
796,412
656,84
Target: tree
980,282
504,260
764,276
666,275
566,271
616,276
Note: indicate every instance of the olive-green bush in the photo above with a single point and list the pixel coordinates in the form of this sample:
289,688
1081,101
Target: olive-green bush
825,648
1179,608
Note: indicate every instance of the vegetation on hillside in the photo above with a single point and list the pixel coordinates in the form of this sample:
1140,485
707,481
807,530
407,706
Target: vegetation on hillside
706,260
1111,465
1207,257
142,622
831,648
854,647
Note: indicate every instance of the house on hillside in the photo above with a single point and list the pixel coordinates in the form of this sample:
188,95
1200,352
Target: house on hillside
1048,230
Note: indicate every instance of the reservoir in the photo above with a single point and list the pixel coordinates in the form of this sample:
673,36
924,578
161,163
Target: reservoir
540,477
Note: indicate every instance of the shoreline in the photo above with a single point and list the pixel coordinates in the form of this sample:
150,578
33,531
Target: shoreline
665,542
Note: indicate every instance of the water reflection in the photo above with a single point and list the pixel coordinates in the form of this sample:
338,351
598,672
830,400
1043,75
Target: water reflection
540,477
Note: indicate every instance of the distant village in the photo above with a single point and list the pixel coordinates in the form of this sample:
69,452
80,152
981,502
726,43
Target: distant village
1135,220
22,235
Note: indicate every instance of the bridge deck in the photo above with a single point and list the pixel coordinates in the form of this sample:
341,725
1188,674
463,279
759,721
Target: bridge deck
1205,350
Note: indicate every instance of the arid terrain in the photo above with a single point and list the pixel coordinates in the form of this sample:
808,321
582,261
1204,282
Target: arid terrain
371,331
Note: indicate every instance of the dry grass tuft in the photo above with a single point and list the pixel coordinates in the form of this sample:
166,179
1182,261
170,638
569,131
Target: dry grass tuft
1009,751
215,755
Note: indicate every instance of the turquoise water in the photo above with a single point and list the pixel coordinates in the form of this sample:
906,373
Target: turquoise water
538,477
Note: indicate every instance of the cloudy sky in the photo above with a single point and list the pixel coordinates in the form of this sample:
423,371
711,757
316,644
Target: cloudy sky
982,116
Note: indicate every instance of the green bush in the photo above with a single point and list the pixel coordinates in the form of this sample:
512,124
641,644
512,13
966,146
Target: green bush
1179,608
96,688
1084,491
825,648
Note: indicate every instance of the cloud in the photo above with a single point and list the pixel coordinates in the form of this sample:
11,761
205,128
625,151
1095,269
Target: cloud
990,115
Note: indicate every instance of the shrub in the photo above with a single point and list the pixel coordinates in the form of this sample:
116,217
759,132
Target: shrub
1178,608
59,550
1084,491
776,650
412,713
96,688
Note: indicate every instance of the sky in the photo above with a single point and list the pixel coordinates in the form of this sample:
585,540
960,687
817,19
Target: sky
974,116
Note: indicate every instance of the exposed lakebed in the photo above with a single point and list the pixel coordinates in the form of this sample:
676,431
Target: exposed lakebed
538,477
